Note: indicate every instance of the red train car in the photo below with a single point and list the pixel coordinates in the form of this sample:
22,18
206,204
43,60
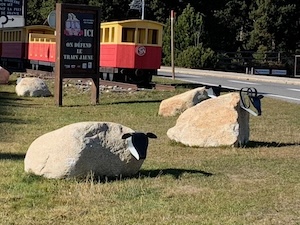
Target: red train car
1,31
14,43
41,50
130,50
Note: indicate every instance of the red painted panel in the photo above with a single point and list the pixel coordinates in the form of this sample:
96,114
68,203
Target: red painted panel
108,54
42,52
52,51
150,60
13,50
125,56
141,57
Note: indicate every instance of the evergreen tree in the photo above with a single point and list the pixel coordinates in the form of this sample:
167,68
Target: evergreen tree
189,48
33,12
276,25
230,26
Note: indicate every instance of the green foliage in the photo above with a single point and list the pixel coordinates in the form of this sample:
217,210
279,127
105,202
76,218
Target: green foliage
196,57
33,12
230,25
260,54
225,26
188,29
276,25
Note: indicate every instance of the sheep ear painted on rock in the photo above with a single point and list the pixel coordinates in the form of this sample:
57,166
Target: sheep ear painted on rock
151,135
138,144
132,148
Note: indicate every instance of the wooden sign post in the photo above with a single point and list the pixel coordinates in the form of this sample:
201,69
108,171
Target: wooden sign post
77,46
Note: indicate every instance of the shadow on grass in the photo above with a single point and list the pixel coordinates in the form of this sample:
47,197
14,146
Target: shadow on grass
142,174
11,156
135,101
114,103
176,173
257,144
9,100
219,88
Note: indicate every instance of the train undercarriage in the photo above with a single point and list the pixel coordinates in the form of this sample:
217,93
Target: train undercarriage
135,76
127,75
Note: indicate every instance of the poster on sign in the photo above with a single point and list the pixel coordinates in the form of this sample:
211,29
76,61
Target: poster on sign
12,13
77,45
79,42
297,66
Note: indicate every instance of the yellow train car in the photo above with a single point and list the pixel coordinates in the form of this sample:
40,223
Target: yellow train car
1,42
14,42
131,50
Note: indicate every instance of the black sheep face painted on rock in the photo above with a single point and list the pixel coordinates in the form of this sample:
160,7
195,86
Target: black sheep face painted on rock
138,143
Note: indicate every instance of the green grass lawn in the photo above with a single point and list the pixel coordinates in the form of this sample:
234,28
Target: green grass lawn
257,184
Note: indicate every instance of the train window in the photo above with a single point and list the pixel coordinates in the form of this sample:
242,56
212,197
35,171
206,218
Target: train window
101,35
19,36
152,36
128,34
112,34
106,34
141,35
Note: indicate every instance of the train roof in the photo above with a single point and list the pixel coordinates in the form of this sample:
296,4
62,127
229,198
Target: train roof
44,27
122,22
30,27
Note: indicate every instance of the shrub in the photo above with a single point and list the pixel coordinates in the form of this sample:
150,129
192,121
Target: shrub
196,57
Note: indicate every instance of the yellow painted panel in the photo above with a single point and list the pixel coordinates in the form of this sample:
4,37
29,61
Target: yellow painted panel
135,31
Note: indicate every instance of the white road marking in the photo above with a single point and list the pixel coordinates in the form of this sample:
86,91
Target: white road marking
285,97
209,84
292,89
243,82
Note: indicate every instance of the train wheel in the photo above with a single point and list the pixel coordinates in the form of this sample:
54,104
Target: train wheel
110,76
126,78
149,78
104,76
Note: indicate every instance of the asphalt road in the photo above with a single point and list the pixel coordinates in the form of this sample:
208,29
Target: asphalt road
287,89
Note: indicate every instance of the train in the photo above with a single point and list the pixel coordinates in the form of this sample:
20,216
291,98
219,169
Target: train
130,50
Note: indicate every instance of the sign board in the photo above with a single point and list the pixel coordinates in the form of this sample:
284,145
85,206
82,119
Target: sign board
12,13
297,66
77,46
262,71
279,72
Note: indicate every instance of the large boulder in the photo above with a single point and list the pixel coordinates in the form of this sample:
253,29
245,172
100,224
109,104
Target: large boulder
33,87
4,76
215,122
79,149
179,103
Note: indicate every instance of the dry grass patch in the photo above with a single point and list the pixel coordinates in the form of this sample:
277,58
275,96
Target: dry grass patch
258,184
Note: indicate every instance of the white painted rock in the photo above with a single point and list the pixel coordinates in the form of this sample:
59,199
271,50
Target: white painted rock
78,149
4,76
215,122
179,103
33,87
